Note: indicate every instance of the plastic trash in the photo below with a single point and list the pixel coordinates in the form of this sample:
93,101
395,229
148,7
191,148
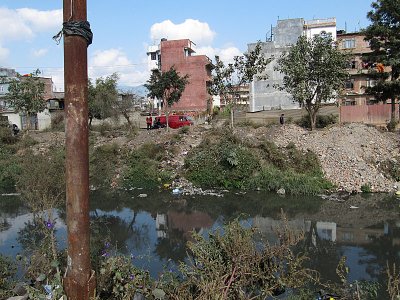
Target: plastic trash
176,191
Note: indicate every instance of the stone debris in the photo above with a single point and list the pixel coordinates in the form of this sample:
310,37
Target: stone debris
350,155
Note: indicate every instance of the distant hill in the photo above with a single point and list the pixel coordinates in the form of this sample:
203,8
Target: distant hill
139,90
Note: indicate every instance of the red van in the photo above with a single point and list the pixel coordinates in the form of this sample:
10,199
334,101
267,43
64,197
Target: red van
174,121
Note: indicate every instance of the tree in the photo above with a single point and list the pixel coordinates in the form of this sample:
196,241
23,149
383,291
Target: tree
25,95
125,104
102,97
314,72
384,37
227,79
167,86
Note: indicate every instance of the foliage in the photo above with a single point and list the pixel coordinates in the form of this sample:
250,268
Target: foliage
119,279
224,164
9,167
184,130
366,188
229,163
273,179
45,187
391,126
143,167
314,72
391,168
26,93
232,264
104,160
7,273
167,86
383,35
102,97
321,121
227,79
124,105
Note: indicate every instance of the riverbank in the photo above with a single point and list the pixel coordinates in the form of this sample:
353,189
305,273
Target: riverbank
354,157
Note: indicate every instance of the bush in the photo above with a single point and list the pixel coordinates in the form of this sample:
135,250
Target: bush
104,162
322,121
144,169
7,273
391,126
224,164
232,264
184,130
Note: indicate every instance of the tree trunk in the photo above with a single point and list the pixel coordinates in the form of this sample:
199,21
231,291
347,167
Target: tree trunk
393,111
232,117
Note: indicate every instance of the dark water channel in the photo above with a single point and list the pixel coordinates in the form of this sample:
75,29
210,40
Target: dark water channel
154,229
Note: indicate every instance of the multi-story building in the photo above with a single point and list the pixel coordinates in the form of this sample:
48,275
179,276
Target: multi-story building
359,68
41,120
263,93
180,55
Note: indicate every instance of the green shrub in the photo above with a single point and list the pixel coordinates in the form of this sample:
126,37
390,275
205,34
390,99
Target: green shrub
104,161
184,130
391,126
322,121
273,179
118,279
366,188
391,168
144,169
7,273
9,168
224,164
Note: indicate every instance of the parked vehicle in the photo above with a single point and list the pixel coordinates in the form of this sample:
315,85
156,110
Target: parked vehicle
174,121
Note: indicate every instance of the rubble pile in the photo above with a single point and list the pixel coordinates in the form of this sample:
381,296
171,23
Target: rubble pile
350,155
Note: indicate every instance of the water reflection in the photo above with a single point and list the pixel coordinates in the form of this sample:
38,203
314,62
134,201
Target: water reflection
154,230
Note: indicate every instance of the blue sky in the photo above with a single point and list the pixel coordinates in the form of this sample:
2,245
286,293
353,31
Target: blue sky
123,29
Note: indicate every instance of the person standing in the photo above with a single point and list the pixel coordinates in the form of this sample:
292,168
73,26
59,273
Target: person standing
149,122
282,119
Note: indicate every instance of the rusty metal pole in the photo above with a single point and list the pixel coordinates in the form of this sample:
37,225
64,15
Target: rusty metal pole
79,282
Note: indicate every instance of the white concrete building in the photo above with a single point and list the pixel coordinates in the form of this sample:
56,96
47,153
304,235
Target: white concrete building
264,94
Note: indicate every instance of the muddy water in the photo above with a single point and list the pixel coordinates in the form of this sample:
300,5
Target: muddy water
154,229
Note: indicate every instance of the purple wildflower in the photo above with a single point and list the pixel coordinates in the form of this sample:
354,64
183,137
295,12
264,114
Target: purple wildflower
132,276
49,224
107,245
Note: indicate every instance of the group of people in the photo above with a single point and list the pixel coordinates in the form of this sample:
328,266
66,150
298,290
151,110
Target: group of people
150,125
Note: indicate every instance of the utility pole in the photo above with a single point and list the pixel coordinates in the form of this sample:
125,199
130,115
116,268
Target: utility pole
79,282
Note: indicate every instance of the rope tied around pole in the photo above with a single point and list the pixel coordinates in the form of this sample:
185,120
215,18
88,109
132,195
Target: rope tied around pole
81,28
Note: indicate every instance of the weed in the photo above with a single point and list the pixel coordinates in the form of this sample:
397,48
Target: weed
366,188
7,273
104,161
144,169
184,130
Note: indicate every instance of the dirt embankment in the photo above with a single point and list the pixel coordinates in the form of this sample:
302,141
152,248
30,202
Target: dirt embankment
351,156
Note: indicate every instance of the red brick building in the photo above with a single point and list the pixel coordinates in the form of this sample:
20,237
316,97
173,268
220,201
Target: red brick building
179,54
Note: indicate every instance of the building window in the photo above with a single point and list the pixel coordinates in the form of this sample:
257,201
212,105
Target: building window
1,88
370,82
372,101
350,84
153,56
350,43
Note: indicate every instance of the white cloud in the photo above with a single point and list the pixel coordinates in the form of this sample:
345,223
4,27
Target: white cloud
226,54
24,23
41,20
198,32
39,52
106,62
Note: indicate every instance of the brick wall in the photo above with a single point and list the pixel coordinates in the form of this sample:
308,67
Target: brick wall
178,54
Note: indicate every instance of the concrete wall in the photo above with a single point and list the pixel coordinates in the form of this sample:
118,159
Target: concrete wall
263,94
369,114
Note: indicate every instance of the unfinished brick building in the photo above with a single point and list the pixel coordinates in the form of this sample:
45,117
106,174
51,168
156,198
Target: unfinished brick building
179,54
